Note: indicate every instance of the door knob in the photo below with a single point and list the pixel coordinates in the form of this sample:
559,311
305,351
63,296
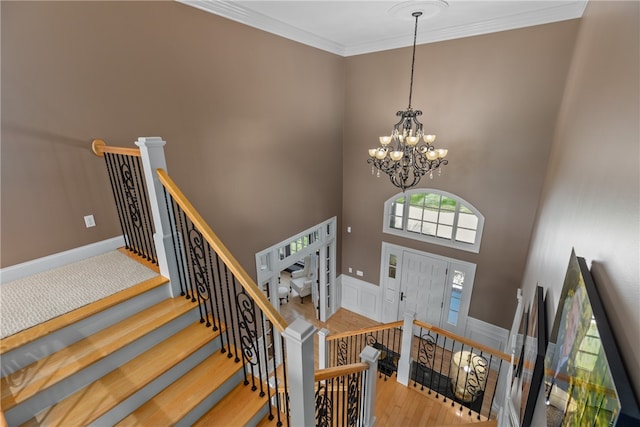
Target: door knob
401,296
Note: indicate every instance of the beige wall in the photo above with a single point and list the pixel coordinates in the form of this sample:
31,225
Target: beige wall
591,197
76,71
492,101
253,121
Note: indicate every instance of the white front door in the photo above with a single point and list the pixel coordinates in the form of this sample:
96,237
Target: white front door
422,288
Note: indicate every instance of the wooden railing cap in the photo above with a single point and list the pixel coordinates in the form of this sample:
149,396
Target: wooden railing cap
99,147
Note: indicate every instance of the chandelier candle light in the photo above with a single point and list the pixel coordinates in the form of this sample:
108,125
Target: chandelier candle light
408,153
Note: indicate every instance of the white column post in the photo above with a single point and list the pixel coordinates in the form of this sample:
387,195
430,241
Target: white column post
404,364
322,348
370,355
152,155
300,371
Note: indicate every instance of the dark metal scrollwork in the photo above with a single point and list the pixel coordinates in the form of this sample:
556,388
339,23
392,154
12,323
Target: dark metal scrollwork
353,399
426,350
371,340
323,407
343,348
198,262
247,323
477,377
130,194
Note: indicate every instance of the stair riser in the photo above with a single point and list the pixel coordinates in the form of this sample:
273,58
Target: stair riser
211,400
29,353
50,396
156,386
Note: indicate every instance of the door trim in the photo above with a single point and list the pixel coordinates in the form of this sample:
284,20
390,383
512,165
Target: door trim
390,287
269,264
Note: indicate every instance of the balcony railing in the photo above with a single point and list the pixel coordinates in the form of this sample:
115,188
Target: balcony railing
461,372
456,369
128,185
345,348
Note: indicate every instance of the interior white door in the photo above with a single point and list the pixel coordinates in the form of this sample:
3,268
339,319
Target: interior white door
422,287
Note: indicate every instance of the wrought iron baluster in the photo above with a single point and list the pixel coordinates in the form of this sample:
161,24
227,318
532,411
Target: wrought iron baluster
231,295
286,384
342,350
274,366
214,294
253,321
131,199
177,246
112,176
465,380
227,323
196,252
342,397
495,387
147,217
442,353
144,248
127,230
353,399
183,232
323,406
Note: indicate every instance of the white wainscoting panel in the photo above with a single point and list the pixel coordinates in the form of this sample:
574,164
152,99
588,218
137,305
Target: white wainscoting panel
360,297
39,265
487,334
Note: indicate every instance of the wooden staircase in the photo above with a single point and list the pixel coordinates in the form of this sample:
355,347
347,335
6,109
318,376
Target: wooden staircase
139,358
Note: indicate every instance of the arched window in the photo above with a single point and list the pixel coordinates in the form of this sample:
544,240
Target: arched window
434,216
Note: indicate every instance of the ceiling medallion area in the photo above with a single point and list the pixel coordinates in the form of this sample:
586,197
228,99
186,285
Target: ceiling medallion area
427,8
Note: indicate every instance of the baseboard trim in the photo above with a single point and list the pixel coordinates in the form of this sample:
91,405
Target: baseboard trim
39,265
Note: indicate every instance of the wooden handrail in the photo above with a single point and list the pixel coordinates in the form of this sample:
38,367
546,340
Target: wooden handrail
328,373
382,327
471,343
100,147
339,371
243,277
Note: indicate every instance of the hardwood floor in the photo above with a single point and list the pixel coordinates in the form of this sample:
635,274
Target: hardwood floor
396,405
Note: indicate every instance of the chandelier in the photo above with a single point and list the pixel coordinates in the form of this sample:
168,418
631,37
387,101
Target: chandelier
408,153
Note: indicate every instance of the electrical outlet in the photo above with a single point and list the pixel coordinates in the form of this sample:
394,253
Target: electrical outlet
350,270
89,221
359,273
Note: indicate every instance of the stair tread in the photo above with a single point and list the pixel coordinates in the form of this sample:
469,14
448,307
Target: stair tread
186,393
91,402
29,335
237,408
50,370
265,421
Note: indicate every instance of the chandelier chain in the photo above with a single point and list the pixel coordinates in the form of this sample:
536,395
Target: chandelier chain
413,59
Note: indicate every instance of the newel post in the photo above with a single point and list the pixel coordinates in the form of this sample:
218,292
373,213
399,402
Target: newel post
404,364
322,348
152,156
370,355
300,370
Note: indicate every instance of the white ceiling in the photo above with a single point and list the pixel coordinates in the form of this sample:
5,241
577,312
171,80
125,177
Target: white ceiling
361,26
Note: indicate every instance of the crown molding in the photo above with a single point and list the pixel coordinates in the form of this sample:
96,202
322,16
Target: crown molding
235,11
557,13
